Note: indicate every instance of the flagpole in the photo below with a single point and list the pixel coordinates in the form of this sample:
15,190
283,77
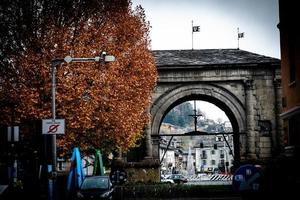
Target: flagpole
192,36
194,29
238,38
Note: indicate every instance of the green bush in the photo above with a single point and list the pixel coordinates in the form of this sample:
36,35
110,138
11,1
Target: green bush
163,190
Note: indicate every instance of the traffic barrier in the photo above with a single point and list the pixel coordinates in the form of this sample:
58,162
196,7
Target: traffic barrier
221,177
211,177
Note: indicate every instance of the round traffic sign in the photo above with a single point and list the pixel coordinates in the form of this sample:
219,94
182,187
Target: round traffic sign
247,178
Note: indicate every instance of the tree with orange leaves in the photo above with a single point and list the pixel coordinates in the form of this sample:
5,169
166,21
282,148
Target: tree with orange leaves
104,105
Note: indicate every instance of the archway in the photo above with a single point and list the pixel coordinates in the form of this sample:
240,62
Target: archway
213,93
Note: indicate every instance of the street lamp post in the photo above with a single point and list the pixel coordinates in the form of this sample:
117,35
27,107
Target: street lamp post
54,63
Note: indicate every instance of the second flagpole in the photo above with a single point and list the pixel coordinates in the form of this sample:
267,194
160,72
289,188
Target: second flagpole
192,36
194,29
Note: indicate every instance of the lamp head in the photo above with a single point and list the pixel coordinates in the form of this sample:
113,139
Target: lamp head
109,58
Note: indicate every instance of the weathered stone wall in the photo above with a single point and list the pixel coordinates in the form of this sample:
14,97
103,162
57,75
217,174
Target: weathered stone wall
146,171
144,175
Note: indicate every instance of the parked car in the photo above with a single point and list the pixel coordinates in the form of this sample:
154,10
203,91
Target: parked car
178,178
166,179
96,187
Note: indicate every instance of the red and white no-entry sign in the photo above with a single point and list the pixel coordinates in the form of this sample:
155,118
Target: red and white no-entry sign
53,127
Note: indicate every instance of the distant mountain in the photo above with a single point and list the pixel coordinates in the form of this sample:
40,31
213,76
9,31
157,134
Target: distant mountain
179,116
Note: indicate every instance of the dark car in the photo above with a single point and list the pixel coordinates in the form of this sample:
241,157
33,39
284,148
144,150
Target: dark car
178,178
96,187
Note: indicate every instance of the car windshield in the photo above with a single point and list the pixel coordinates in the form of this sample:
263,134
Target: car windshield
178,176
95,183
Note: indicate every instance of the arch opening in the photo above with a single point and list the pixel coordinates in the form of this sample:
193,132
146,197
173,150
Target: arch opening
201,154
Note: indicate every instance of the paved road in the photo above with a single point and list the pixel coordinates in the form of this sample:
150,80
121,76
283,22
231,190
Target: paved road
203,198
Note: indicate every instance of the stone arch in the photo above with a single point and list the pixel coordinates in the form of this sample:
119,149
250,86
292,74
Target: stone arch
212,93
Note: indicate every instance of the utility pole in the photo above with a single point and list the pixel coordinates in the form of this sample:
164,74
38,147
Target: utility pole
54,64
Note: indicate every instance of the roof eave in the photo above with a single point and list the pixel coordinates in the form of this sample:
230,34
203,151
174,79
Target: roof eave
205,66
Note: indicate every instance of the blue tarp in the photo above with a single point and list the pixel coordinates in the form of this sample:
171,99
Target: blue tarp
76,174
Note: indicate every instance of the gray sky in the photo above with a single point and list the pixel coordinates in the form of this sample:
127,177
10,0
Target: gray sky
171,22
211,111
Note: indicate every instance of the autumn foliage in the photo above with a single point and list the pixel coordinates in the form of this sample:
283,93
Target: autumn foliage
104,104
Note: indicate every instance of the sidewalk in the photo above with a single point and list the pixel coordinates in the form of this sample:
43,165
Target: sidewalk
3,189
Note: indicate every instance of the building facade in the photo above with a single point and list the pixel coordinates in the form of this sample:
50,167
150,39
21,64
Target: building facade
290,70
215,156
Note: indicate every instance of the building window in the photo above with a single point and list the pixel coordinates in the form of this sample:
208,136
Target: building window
213,162
203,155
204,162
222,162
222,154
213,152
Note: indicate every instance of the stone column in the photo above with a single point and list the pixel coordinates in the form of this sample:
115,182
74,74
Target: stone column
155,148
250,120
148,141
278,137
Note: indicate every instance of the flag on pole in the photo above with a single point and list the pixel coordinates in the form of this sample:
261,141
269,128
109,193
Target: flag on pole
241,35
196,28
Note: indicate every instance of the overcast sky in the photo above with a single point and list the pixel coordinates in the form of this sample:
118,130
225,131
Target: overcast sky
171,22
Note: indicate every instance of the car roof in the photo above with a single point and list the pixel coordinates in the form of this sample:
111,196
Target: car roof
96,177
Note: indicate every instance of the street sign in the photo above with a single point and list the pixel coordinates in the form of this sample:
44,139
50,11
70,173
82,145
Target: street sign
53,127
247,178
